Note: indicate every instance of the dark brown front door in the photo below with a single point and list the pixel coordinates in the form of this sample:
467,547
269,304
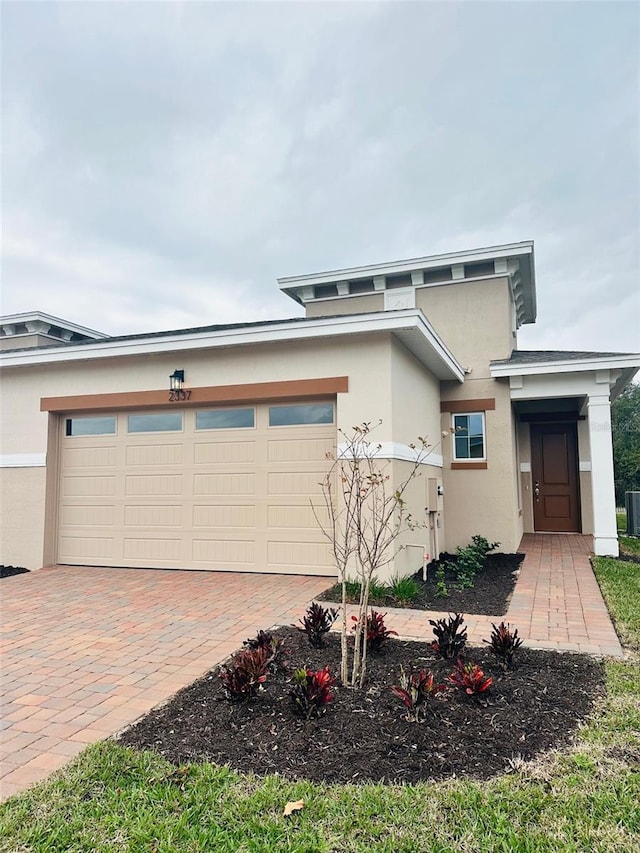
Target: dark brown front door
554,474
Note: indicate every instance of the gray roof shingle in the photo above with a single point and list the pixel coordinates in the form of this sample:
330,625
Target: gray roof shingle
523,356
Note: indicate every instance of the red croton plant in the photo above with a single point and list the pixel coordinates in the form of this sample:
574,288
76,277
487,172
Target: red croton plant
312,692
470,678
377,631
415,689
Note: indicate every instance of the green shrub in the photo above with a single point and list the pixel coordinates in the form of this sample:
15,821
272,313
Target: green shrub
442,590
404,590
352,589
377,591
470,560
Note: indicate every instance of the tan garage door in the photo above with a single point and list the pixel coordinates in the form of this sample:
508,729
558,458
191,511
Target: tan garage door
224,489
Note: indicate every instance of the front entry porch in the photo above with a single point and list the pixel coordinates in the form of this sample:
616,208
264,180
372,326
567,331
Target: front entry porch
572,388
565,459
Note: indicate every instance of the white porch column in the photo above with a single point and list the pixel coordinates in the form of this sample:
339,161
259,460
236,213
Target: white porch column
605,534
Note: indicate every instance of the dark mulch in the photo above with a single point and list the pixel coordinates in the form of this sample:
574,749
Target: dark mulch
628,557
10,571
364,735
490,594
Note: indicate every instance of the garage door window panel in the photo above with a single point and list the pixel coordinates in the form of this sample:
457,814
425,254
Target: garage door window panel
90,426
301,414
158,422
226,419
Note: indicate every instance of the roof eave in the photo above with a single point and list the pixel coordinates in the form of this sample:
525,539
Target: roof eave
60,322
394,267
521,274
410,326
623,362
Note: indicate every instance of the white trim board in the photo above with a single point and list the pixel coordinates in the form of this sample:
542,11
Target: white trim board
525,467
468,256
23,460
576,365
394,450
410,326
41,317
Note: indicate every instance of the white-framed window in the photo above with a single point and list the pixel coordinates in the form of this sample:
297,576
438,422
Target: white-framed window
469,437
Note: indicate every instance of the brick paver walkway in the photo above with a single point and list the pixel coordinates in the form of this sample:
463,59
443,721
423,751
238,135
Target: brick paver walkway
556,603
85,651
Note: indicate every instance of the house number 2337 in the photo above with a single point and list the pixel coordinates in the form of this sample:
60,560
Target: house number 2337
179,395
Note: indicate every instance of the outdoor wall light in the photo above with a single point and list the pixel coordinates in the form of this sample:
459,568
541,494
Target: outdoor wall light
176,380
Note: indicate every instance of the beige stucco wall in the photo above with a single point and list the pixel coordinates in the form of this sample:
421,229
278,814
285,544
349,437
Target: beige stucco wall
415,395
23,428
474,319
428,534
483,501
347,305
22,508
385,383
24,341
416,412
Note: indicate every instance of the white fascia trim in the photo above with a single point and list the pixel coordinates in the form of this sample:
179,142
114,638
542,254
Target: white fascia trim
500,371
384,321
23,460
394,450
28,316
394,267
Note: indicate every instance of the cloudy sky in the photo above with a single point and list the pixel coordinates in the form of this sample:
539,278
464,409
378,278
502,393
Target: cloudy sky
164,163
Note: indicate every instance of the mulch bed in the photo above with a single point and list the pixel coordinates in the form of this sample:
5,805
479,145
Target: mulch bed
10,571
364,736
628,557
489,596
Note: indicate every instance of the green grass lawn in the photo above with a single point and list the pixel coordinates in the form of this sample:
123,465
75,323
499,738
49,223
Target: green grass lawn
114,799
621,521
620,585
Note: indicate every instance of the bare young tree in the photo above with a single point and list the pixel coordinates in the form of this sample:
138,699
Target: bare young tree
365,514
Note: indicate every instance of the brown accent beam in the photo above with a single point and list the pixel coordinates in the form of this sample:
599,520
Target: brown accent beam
297,389
485,404
470,466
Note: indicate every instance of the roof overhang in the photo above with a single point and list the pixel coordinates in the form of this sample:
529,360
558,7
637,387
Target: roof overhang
625,367
410,327
49,319
516,260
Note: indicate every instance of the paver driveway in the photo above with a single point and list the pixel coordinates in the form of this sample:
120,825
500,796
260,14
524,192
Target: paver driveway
86,651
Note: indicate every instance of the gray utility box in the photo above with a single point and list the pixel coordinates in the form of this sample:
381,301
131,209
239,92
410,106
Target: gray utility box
632,505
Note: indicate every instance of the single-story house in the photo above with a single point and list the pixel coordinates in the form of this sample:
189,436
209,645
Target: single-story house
201,448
